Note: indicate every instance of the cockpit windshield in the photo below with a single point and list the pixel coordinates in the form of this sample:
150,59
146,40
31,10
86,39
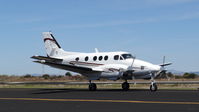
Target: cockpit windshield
127,56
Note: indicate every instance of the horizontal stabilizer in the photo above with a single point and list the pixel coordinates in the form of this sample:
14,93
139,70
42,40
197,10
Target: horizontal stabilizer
49,59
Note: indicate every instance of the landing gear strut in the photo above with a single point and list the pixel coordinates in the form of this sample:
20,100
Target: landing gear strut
92,86
125,86
153,86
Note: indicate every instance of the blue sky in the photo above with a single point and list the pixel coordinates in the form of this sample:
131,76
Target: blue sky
148,29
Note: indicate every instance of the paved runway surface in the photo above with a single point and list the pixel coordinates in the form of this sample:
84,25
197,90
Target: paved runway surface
107,100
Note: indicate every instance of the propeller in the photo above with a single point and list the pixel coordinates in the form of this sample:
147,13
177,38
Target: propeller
130,68
133,62
163,71
128,73
163,61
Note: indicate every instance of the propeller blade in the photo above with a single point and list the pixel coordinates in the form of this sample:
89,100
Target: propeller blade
130,68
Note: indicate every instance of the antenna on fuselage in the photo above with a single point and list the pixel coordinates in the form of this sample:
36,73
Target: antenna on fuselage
96,50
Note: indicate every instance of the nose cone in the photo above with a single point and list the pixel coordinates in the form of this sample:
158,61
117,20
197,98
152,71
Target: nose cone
147,65
156,67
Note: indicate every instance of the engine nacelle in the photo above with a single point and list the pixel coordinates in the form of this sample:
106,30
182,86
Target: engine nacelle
127,75
111,75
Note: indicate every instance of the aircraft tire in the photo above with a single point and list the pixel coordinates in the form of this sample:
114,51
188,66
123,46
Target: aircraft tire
125,86
92,87
153,87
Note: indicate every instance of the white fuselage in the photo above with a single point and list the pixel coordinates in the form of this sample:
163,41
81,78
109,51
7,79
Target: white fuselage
110,63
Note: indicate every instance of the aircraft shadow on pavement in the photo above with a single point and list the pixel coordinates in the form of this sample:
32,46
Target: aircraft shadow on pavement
51,91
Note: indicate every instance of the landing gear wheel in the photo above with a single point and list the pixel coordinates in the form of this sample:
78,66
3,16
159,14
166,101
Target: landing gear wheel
92,87
125,86
153,87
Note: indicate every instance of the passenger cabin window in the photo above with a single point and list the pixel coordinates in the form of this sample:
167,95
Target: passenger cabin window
116,57
127,56
100,58
77,59
86,58
94,58
106,58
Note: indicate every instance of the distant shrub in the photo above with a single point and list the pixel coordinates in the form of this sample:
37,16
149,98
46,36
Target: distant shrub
46,76
77,77
189,75
27,76
68,74
60,76
54,77
4,75
178,77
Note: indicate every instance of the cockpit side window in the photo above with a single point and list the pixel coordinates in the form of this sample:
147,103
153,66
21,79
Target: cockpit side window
121,58
116,57
127,56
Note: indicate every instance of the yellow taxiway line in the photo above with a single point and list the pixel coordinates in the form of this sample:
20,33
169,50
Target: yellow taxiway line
95,100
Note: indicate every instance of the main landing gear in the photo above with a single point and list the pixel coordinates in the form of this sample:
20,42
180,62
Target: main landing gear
92,86
125,86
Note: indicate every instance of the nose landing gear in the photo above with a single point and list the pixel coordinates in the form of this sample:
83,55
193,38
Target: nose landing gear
153,86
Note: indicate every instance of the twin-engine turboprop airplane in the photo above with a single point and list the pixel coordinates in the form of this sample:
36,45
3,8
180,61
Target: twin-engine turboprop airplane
109,65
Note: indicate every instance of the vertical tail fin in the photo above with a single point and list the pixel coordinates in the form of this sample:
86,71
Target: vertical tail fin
53,49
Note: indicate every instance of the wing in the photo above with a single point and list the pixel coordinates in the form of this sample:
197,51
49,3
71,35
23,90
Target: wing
57,63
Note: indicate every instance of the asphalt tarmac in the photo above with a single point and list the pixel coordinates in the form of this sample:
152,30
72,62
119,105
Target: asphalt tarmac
103,100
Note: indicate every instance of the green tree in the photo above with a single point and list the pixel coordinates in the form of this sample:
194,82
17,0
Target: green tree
189,75
27,76
178,77
68,74
46,76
